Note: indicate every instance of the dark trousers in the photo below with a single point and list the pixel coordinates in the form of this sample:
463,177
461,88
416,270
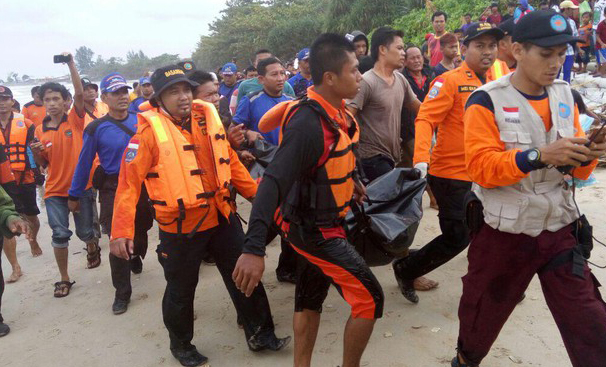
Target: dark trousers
450,195
120,268
501,265
181,256
377,166
1,279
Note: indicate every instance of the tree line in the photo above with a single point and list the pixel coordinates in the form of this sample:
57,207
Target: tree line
286,26
134,66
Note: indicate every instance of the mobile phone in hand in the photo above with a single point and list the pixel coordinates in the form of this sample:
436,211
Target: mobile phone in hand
59,59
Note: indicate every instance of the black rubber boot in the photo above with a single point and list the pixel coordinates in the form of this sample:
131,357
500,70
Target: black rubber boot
120,306
406,285
4,329
189,356
274,344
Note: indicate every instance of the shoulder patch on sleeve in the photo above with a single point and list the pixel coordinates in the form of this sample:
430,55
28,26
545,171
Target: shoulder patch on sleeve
435,89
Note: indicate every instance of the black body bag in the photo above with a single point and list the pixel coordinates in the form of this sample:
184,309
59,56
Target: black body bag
383,228
264,152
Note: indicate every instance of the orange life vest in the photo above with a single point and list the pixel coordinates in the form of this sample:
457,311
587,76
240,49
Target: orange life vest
16,148
324,196
175,183
498,69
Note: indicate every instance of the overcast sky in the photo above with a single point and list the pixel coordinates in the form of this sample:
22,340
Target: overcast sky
32,31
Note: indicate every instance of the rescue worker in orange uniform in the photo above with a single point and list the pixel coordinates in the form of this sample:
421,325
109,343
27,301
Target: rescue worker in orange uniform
17,133
11,223
519,133
34,110
443,110
312,180
181,153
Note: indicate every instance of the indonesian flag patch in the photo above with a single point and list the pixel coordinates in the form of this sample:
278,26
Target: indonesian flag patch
511,114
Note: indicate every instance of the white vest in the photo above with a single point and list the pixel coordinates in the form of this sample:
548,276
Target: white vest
542,200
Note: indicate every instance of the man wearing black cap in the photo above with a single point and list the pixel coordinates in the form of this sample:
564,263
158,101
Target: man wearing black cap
520,134
16,133
505,44
181,152
443,110
94,109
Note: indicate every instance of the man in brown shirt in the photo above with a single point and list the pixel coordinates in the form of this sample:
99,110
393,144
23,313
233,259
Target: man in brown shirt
384,91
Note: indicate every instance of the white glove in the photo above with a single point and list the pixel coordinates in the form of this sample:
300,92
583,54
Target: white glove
422,167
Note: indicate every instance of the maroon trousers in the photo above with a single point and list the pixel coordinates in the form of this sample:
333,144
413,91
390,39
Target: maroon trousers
501,265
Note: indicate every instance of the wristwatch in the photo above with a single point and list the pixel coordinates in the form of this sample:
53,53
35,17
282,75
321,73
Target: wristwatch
534,159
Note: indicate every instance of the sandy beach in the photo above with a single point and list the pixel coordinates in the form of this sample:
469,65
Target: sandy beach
80,330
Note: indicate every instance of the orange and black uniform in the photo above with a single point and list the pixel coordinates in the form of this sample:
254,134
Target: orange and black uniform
16,138
34,113
188,233
443,110
311,180
503,263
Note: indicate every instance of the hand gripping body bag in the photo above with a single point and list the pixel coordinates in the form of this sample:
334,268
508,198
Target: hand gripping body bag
384,227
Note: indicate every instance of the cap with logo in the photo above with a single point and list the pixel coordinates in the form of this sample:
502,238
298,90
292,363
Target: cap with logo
544,28
476,30
567,4
303,54
166,76
5,92
229,69
144,80
113,82
187,65
86,82
507,26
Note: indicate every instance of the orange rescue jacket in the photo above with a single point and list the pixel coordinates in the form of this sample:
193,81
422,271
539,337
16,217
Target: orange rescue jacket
326,193
16,148
175,183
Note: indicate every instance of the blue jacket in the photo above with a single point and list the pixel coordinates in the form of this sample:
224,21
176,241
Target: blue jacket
102,137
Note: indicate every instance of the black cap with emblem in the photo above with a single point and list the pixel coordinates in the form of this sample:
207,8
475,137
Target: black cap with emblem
5,92
166,76
507,27
476,30
544,28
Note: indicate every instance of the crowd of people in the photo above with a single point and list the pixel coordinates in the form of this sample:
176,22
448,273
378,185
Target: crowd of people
479,113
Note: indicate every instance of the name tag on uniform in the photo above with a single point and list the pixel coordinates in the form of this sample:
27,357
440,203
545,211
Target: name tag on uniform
467,88
512,115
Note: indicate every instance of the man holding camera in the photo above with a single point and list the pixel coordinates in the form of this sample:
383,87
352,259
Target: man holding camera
522,135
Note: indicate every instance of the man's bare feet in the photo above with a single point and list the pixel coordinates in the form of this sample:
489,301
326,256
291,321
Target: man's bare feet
424,284
36,250
17,273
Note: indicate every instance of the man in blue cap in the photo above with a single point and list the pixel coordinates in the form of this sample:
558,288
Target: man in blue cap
230,80
302,80
108,137
147,90
521,132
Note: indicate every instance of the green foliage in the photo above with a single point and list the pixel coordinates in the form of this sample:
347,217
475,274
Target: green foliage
365,15
286,26
136,65
283,26
84,59
417,23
